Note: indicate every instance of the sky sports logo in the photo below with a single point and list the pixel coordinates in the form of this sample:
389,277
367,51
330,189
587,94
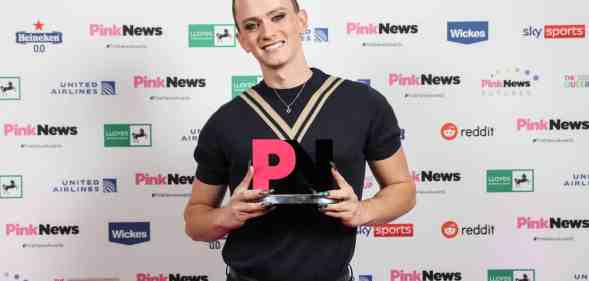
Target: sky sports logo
511,275
468,32
558,31
128,233
41,230
18,130
519,180
551,223
424,275
386,230
169,179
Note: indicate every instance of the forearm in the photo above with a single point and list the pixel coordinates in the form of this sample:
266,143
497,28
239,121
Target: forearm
205,223
389,203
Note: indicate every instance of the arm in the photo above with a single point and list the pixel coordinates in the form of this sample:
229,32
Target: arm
395,198
205,220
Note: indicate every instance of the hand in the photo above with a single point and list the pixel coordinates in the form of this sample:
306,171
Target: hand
244,203
349,209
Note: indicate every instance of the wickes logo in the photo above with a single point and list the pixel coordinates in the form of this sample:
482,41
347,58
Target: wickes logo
169,179
128,233
170,277
468,32
39,130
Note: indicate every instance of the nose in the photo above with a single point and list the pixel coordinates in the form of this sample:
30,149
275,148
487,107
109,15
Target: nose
267,30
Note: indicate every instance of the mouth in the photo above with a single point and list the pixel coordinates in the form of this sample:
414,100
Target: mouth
274,46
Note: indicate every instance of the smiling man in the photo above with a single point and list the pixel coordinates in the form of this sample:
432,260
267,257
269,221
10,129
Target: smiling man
303,104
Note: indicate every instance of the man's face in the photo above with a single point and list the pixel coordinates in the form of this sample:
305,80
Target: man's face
270,30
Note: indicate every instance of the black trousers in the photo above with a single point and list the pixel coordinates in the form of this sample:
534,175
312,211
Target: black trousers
232,275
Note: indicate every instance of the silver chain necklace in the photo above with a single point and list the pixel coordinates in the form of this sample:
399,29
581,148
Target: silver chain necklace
289,105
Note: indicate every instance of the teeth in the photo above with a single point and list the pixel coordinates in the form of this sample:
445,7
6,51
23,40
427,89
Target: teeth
274,46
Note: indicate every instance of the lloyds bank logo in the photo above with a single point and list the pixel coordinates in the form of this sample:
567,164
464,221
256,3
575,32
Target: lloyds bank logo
127,135
520,180
240,84
211,35
511,275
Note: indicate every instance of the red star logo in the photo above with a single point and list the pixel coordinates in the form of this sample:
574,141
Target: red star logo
39,25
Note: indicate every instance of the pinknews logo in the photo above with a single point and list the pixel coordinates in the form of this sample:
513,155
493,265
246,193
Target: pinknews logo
419,80
39,130
356,28
100,30
143,81
551,223
41,229
528,124
431,176
424,275
169,179
170,277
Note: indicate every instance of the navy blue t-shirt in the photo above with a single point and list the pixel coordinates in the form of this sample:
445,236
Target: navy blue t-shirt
297,243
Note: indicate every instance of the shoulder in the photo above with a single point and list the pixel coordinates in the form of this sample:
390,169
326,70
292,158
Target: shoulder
360,94
225,115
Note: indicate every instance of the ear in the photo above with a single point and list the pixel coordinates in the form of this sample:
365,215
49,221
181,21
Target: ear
303,19
243,43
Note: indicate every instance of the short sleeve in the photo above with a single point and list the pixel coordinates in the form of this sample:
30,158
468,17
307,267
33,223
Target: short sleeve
384,136
212,165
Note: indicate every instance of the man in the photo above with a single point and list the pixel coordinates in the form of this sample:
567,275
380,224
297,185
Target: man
294,102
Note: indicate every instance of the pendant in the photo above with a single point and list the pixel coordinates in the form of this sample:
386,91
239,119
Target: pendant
288,110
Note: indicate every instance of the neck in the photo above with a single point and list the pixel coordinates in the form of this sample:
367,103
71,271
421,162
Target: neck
287,76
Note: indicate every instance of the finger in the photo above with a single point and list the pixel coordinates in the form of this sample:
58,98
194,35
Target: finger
251,207
245,182
339,179
340,194
253,195
339,207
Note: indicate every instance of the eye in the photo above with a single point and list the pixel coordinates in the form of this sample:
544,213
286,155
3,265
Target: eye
278,17
250,26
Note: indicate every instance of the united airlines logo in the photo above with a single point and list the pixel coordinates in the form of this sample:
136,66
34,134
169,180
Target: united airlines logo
317,35
128,233
468,32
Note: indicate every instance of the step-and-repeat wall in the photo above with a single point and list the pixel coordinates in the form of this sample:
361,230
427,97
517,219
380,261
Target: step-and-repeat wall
101,104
